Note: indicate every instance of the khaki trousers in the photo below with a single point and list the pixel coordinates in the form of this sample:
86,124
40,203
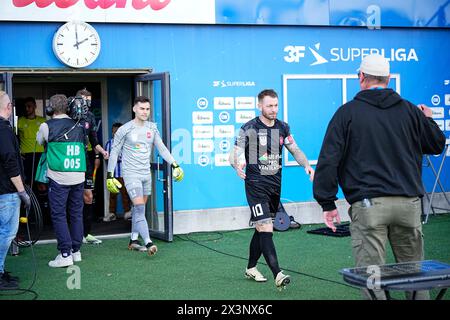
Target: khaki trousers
378,220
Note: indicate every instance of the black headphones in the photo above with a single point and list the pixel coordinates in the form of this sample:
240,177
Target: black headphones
49,111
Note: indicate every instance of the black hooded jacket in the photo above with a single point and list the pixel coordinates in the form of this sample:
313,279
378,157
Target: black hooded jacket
10,160
373,147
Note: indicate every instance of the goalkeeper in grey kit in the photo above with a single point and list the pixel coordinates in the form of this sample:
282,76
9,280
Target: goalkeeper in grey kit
135,140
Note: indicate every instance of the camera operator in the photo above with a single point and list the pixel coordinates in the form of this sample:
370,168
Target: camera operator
93,162
66,159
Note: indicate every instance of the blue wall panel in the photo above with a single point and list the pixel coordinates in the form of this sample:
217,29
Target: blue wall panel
238,61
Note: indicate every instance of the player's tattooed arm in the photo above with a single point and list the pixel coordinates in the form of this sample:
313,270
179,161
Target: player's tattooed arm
301,159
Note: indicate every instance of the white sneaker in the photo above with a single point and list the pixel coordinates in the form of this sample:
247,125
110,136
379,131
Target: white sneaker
254,274
282,280
90,239
76,256
61,262
110,217
127,215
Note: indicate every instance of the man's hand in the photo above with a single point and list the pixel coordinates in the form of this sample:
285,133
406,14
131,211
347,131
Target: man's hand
177,172
105,154
240,170
112,183
25,198
328,217
310,172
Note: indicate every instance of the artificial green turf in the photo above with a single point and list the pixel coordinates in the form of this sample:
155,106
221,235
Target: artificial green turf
185,270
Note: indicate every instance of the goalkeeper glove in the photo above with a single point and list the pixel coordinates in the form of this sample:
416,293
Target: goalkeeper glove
177,172
112,183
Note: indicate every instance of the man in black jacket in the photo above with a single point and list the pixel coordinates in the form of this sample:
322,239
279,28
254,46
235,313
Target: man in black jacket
373,148
12,190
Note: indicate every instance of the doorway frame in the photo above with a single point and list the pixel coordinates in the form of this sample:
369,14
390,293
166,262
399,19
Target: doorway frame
9,75
164,77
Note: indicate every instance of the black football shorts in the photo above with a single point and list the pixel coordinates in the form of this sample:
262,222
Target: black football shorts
263,199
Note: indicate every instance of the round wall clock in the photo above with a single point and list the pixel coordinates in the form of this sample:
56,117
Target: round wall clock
76,44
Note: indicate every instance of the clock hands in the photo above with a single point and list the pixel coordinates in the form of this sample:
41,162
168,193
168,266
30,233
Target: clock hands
78,43
76,38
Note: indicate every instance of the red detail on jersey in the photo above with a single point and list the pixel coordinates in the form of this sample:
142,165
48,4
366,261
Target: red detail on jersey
149,134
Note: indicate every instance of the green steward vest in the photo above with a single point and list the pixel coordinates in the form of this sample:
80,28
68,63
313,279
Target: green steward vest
65,149
66,156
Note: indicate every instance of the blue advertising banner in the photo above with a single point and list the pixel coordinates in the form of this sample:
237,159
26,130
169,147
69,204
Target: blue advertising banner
314,71
363,13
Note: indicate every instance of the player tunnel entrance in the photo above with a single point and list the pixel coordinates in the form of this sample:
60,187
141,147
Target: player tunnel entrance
113,92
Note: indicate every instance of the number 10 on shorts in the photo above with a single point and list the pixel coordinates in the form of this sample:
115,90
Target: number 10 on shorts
257,210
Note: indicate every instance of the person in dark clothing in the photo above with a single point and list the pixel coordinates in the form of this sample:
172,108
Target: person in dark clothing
93,150
373,149
261,140
12,190
64,143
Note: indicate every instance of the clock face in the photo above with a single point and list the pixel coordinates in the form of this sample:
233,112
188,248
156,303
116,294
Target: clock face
76,44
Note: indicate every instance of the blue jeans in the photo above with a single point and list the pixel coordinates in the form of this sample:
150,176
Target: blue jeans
9,223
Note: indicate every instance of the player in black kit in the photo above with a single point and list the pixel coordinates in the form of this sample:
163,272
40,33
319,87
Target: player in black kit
261,140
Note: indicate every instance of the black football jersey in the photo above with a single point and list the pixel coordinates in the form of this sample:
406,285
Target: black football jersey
263,149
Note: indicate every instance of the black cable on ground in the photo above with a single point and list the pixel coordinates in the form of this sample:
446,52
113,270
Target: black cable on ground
16,292
36,220
188,238
36,208
31,241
